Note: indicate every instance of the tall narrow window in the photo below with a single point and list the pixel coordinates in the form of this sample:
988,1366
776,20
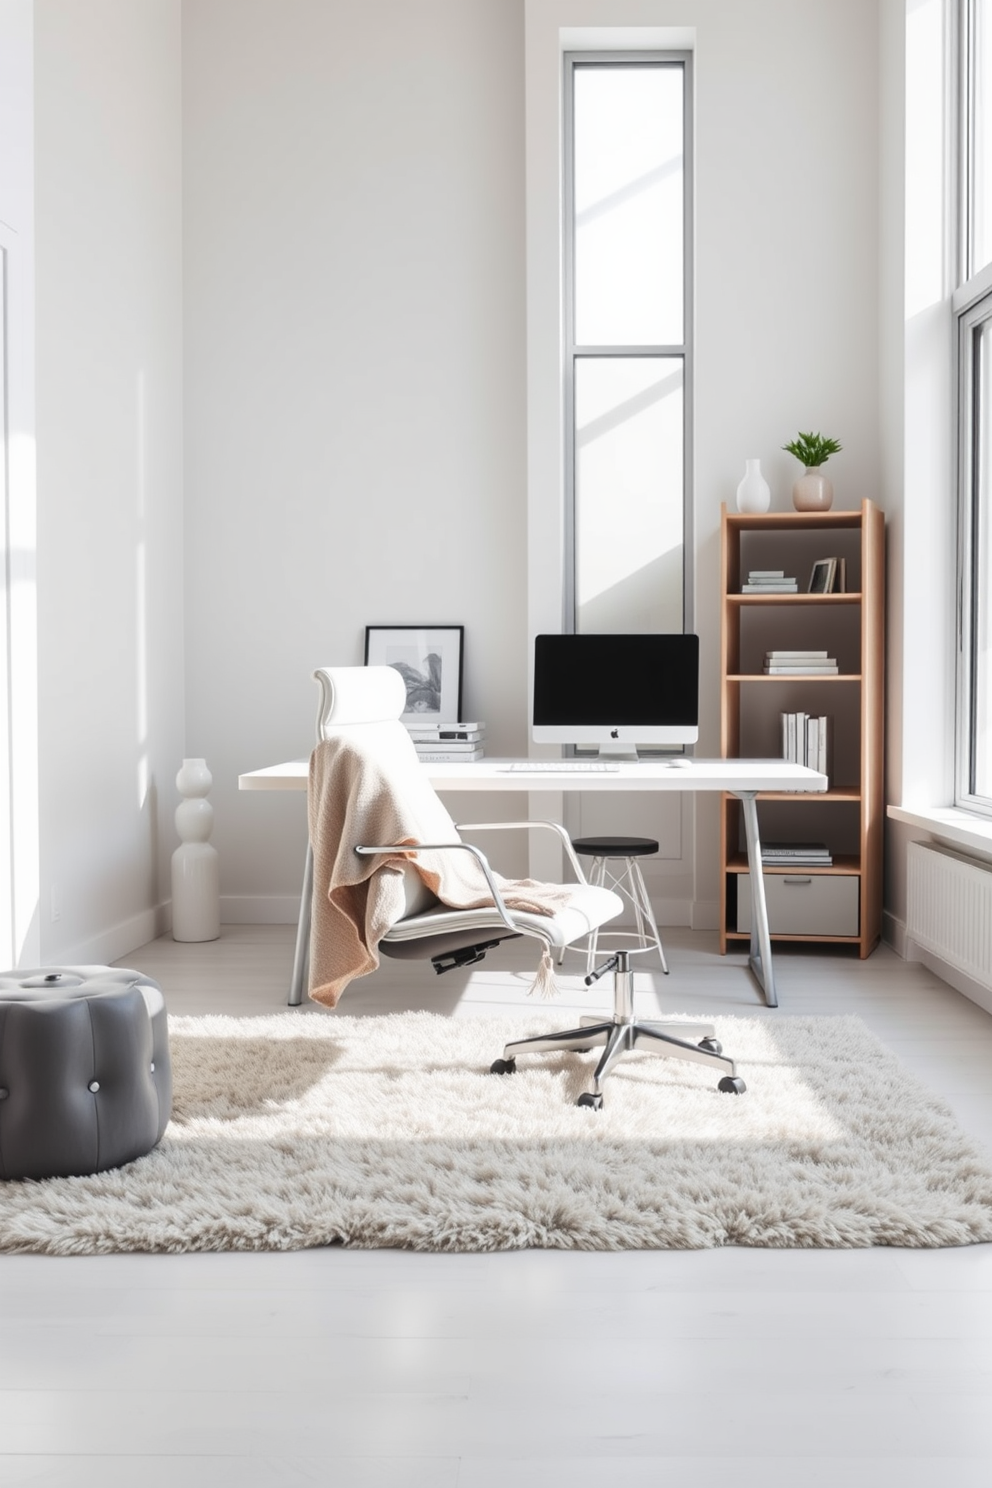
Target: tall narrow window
626,340
977,72
973,306
975,332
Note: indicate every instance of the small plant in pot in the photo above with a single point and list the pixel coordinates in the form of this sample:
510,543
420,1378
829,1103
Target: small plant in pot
813,490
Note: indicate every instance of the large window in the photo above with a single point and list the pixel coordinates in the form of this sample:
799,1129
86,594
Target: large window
975,30
973,306
627,339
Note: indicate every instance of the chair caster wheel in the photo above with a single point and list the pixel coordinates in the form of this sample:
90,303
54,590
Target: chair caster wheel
711,1045
732,1085
503,1067
594,1102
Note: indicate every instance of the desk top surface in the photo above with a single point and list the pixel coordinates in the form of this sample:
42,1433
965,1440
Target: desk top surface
649,775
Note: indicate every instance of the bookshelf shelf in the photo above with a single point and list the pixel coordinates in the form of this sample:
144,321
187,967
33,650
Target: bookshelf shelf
818,677
793,599
743,937
849,816
843,863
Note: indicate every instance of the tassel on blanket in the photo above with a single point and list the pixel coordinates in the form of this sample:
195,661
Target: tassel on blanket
544,984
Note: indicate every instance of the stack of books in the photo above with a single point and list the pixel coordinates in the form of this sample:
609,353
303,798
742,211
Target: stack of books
806,740
447,743
769,581
795,855
800,663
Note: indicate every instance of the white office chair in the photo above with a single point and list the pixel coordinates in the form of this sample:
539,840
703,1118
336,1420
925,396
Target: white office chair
361,707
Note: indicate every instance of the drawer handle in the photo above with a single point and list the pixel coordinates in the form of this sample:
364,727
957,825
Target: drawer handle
797,880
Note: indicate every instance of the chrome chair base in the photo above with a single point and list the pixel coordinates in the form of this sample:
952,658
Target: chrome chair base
617,1035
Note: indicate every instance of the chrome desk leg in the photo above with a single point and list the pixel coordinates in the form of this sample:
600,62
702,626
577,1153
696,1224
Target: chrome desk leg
301,957
760,954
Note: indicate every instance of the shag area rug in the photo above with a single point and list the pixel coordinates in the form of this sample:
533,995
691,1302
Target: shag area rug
299,1130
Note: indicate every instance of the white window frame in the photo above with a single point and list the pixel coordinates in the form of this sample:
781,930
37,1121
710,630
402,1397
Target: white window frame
972,308
573,350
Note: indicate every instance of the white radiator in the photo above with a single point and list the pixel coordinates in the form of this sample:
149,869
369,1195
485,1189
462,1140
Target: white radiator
949,910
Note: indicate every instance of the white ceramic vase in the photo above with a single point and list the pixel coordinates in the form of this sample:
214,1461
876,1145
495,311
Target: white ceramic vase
195,864
813,491
753,493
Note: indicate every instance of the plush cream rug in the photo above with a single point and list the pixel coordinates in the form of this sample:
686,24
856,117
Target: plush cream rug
302,1129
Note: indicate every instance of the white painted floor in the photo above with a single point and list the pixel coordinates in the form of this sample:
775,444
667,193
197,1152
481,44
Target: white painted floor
383,1369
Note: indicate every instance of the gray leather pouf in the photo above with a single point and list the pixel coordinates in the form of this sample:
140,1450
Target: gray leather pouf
85,1076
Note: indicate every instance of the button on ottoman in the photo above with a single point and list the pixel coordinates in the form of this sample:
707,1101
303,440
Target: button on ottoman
85,1077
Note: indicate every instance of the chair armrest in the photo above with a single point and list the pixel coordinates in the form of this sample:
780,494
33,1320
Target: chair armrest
552,826
411,850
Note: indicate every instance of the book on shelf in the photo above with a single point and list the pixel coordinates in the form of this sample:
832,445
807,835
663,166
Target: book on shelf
787,849
796,861
820,668
771,586
796,855
431,733
449,756
448,746
753,574
806,740
795,656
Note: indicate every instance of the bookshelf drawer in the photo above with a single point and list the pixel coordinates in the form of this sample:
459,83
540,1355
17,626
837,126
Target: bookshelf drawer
803,904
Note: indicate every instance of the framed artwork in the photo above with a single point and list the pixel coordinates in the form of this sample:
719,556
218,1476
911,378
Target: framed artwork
821,579
429,659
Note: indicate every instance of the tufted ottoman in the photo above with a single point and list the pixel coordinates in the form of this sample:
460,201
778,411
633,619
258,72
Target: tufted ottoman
85,1077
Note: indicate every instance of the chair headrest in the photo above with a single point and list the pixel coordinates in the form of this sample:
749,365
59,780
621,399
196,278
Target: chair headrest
363,694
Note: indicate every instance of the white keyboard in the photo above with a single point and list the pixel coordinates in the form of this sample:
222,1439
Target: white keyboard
561,767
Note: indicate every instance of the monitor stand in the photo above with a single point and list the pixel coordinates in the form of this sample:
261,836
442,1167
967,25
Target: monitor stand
616,750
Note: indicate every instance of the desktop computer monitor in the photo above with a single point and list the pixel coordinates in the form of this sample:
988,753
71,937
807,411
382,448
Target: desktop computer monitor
616,691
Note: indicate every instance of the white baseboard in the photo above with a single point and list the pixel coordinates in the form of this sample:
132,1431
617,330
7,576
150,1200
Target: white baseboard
669,912
259,909
704,914
894,934
956,979
117,941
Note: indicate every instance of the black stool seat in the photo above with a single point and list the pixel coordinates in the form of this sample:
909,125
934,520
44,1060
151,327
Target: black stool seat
615,847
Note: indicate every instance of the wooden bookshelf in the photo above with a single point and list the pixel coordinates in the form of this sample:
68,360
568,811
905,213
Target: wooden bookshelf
849,816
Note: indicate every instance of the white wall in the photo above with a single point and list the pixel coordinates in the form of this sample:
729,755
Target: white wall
354,312
786,289
109,439
19,823
353,368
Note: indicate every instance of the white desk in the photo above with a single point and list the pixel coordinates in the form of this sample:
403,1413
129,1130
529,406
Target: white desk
742,778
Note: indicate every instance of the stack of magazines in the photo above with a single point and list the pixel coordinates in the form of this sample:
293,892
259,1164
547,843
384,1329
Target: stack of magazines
447,743
795,855
800,663
769,581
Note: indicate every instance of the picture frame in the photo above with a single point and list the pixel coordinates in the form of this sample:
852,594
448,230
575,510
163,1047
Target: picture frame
822,576
429,659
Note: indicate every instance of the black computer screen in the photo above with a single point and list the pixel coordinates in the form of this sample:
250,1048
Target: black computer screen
631,680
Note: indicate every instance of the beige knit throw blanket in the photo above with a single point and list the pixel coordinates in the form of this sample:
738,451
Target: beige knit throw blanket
366,785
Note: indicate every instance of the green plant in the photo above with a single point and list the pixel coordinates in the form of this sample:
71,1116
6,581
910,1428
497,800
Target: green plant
812,449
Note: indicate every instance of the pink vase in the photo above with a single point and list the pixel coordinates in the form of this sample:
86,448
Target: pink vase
813,491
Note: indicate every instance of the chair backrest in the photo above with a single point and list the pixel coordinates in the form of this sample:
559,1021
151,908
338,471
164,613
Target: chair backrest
365,694
364,704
